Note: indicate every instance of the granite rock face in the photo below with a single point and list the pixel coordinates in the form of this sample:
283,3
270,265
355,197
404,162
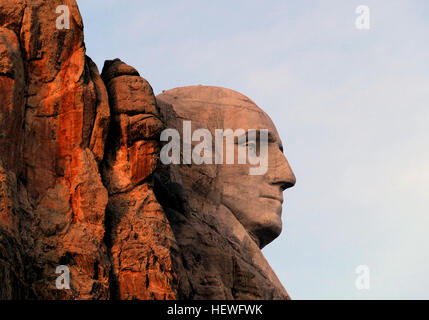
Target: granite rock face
81,184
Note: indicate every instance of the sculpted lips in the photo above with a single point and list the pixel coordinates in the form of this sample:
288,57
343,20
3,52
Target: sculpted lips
278,198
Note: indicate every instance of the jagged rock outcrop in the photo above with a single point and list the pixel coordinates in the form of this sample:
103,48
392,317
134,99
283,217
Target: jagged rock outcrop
139,237
81,184
56,117
54,122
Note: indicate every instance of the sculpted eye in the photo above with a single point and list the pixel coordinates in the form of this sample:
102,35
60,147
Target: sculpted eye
281,149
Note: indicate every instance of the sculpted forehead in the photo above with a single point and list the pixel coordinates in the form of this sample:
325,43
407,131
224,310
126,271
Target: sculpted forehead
215,95
217,107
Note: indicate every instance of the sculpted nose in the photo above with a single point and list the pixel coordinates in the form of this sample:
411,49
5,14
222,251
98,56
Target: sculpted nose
284,174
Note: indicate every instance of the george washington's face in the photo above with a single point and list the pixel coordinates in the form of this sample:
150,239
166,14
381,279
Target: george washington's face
255,200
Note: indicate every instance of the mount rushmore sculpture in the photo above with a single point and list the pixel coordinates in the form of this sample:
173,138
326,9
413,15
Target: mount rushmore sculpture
83,189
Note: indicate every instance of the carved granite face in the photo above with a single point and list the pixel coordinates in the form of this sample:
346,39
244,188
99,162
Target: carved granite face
255,200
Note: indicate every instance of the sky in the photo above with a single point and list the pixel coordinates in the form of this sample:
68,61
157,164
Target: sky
351,107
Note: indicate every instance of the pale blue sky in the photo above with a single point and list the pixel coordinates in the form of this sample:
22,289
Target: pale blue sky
351,107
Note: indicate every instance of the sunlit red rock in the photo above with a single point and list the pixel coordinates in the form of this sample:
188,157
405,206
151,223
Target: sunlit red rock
54,121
